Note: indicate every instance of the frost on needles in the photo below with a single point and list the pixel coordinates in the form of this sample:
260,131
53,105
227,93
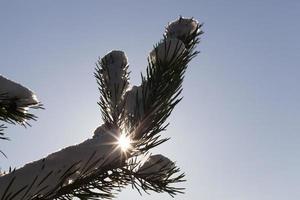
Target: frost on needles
98,167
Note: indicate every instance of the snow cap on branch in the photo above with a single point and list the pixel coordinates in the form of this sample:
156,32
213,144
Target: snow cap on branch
22,96
105,133
90,155
115,61
168,50
115,66
134,101
156,167
181,28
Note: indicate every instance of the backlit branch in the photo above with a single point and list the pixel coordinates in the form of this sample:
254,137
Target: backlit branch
99,167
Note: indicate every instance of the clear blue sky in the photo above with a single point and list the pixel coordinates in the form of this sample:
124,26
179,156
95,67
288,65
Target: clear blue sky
236,133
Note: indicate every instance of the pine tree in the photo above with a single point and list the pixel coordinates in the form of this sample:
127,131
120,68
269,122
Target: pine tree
134,117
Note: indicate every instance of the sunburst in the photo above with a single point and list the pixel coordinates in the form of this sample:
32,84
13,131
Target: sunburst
124,142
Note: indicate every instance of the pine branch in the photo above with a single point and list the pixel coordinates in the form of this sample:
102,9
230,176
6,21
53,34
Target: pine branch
162,85
14,112
15,101
153,101
92,178
112,77
140,113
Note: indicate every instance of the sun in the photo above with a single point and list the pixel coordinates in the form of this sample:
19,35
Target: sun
124,142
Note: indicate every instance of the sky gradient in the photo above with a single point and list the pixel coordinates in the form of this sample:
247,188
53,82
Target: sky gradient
235,133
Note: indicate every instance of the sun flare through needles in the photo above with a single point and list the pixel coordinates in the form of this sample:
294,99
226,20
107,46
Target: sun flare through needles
124,142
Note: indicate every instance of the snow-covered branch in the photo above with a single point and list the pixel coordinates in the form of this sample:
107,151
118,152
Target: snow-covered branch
15,101
41,178
137,114
22,96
